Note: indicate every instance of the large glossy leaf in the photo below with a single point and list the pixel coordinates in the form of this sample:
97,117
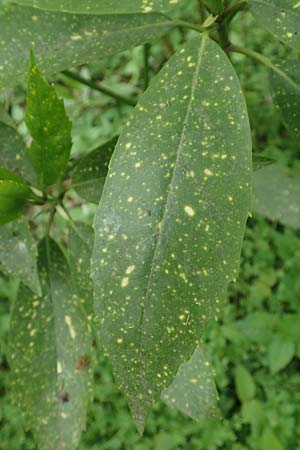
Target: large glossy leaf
193,390
50,353
63,40
14,193
276,192
104,6
49,127
286,93
89,173
170,223
281,18
13,154
18,254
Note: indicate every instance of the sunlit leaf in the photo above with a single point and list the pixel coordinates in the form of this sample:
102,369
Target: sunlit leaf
50,353
280,353
63,40
104,6
276,192
281,18
89,173
49,127
18,254
286,93
14,193
171,219
193,390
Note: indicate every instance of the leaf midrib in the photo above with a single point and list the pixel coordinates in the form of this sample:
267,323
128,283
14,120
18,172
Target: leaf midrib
160,233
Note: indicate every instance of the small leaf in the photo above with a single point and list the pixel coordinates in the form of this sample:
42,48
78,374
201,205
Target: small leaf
50,353
276,192
49,127
104,6
14,193
280,353
285,86
14,155
170,223
193,390
89,173
244,384
279,17
64,40
18,254
253,412
269,441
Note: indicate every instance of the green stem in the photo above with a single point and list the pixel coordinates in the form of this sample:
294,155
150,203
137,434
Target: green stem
71,221
191,26
230,12
261,59
99,88
50,221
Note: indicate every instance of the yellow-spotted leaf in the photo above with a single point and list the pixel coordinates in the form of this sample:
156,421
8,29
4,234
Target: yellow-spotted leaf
170,223
89,172
279,17
50,350
49,127
13,154
64,40
193,390
104,6
285,84
18,254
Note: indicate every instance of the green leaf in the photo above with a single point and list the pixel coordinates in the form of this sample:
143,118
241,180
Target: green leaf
50,354
285,86
104,6
13,155
170,223
14,193
244,384
279,17
49,127
276,192
280,353
270,441
64,40
193,390
18,254
253,412
216,6
81,240
89,173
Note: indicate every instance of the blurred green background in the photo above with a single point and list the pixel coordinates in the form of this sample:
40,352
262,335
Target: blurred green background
255,345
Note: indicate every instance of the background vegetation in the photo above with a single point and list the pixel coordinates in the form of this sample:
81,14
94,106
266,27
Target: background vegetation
255,345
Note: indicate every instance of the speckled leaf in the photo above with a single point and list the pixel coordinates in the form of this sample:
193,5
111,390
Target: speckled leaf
13,154
80,252
14,193
169,227
276,192
18,254
281,18
286,93
193,390
89,173
104,6
64,40
49,127
50,349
